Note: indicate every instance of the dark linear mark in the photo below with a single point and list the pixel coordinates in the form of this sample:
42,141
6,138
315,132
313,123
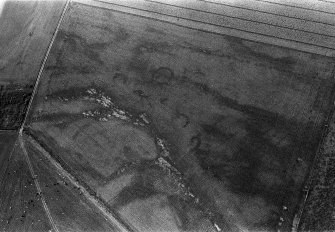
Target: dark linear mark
270,13
235,17
298,7
326,1
198,21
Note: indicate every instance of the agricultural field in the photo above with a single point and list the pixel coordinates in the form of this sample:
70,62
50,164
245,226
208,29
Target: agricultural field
7,141
20,206
176,129
43,200
70,209
13,104
318,212
26,30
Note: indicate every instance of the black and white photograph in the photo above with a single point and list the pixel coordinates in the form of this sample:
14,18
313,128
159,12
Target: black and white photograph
167,115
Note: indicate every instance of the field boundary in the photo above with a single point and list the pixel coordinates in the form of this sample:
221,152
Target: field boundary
318,156
93,200
42,66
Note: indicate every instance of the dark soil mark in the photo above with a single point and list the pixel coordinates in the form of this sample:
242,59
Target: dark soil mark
162,76
142,187
72,43
154,30
284,64
263,145
14,100
139,62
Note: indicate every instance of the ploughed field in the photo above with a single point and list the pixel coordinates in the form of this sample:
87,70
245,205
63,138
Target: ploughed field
176,129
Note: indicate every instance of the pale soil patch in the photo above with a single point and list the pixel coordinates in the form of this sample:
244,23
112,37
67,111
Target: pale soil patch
109,191
151,215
